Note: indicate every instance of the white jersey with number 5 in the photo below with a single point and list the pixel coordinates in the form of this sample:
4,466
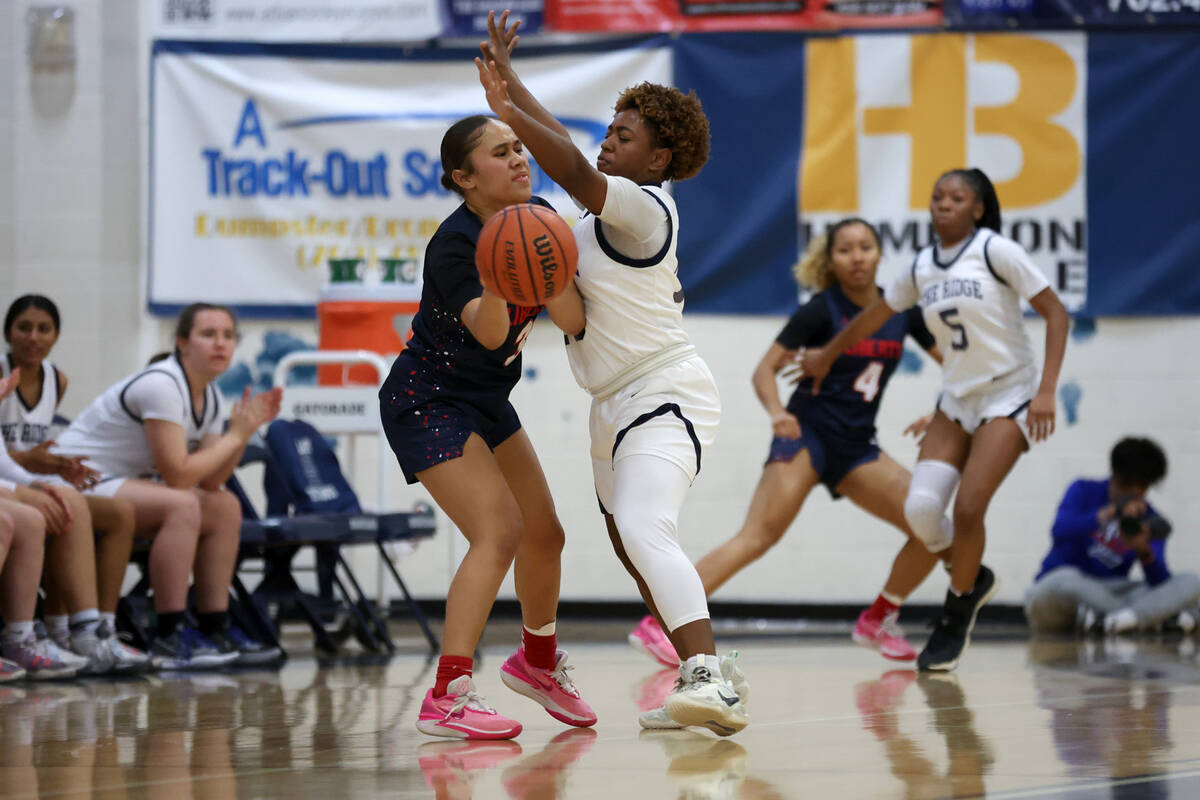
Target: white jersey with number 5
972,305
632,297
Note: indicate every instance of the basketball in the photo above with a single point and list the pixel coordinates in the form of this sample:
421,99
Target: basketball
526,254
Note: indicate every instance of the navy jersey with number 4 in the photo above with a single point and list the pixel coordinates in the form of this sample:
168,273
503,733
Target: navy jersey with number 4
442,360
849,398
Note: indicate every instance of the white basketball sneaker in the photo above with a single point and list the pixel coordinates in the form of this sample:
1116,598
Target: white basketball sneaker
706,699
657,719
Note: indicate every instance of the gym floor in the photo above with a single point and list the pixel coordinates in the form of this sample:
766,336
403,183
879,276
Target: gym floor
1046,719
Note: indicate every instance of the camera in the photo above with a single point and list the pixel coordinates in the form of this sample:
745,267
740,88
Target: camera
1131,524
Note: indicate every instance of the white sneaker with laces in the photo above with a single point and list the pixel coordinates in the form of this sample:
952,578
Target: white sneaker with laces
106,653
706,700
657,719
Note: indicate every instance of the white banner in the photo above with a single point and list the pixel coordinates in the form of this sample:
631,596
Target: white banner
264,168
885,115
298,20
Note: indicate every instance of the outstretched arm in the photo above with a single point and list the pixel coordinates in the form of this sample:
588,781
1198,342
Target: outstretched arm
556,154
502,39
816,361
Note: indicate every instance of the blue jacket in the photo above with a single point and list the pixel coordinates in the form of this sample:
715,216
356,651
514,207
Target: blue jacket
1079,541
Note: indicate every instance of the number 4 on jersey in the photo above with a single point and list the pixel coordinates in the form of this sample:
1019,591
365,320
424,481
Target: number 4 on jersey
867,382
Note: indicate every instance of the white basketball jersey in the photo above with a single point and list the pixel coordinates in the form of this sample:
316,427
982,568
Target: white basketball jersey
109,432
633,306
972,305
25,427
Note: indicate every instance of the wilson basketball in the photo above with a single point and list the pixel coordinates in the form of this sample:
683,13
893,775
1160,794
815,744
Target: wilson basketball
526,254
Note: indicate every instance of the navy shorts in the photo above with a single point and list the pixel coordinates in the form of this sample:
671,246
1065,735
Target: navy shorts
833,457
427,435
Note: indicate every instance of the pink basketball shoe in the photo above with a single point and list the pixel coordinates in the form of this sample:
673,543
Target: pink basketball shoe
461,713
648,637
553,688
883,635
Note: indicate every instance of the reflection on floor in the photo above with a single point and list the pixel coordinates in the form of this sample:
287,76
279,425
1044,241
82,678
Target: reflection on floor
1049,719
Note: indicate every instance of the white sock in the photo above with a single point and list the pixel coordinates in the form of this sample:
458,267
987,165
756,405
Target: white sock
546,630
894,599
1120,621
85,621
110,618
58,626
18,631
713,663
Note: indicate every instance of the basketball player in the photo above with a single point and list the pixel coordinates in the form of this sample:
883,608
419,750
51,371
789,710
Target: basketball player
655,406
969,285
24,514
829,438
31,328
157,439
447,417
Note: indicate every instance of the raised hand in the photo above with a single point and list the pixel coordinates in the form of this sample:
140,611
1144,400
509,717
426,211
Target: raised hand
10,383
501,40
251,413
495,88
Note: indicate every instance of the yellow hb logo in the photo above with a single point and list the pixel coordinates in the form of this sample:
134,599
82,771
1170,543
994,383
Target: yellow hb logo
936,119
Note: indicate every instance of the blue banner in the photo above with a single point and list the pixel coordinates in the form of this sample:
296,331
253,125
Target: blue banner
738,234
1090,139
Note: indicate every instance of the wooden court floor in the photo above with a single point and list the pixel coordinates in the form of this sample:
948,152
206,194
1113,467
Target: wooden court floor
1047,719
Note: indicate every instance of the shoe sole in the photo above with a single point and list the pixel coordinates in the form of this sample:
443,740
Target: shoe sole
949,666
522,687
433,727
668,725
51,674
245,659
870,644
718,720
642,647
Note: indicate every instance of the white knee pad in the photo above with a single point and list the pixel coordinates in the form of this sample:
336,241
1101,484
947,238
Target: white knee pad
933,483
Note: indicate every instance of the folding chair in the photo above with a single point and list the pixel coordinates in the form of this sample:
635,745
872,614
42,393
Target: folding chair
310,501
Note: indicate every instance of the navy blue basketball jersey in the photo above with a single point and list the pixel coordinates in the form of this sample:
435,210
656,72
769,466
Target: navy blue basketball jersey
850,394
442,360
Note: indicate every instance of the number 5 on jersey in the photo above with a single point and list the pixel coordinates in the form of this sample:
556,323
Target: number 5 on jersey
950,317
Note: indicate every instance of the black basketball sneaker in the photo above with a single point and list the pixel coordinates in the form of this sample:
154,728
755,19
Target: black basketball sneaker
952,633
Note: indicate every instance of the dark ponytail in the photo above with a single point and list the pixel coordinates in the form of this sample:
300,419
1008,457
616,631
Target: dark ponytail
457,144
981,184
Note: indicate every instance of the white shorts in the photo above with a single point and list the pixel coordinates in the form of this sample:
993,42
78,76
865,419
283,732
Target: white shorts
1008,396
672,413
105,488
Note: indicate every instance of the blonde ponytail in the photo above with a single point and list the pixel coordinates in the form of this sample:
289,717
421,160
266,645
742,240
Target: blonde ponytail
814,271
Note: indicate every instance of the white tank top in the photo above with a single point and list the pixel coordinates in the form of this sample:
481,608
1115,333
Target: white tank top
972,305
633,306
109,432
25,427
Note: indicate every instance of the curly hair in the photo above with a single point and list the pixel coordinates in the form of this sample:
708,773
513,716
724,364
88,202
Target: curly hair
814,271
677,121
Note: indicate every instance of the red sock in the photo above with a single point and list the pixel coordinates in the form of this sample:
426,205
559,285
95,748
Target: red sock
881,608
540,651
449,668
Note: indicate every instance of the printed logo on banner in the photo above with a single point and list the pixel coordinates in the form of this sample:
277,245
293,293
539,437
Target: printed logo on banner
273,177
886,115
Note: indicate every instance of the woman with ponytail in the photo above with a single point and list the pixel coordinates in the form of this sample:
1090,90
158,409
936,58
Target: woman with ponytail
969,286
829,438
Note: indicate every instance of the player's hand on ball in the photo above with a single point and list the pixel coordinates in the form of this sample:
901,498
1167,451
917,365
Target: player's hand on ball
501,40
785,425
1040,419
